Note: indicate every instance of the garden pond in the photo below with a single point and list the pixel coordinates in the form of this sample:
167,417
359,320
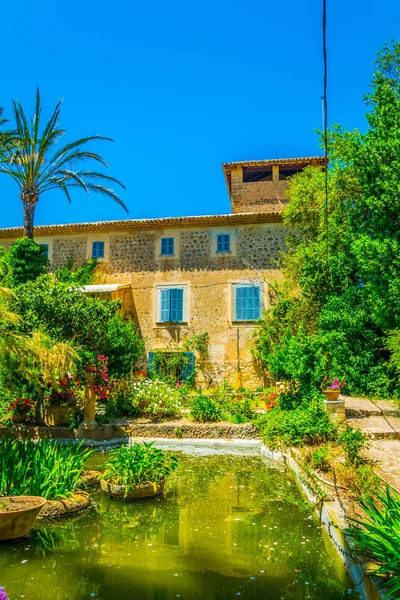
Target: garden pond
227,526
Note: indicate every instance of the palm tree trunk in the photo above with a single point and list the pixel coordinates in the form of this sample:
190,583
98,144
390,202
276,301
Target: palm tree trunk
29,213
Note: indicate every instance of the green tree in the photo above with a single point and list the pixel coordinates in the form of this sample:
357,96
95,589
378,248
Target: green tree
343,279
37,166
25,261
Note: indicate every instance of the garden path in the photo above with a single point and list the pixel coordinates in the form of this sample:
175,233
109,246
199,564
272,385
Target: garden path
379,419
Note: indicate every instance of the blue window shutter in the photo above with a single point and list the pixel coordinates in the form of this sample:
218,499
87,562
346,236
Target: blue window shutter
254,313
98,250
223,243
248,306
167,245
165,303
176,305
150,363
188,367
241,303
45,249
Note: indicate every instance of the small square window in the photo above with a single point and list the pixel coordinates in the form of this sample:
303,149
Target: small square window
98,250
167,246
223,243
247,302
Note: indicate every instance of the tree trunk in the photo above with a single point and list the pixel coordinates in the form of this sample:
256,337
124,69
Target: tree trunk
29,213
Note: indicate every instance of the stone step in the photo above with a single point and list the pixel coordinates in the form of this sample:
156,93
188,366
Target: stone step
385,456
362,407
378,427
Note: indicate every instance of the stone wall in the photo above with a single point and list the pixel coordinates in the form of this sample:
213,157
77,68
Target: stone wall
69,249
262,196
134,258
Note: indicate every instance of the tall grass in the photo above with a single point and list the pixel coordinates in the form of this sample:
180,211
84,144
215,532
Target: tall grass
377,537
44,468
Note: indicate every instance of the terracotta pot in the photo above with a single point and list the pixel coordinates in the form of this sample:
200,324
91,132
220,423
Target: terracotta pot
18,419
141,491
331,395
18,523
57,416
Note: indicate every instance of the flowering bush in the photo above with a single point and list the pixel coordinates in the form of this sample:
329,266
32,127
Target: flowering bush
154,398
66,393
99,367
270,401
22,406
3,594
336,385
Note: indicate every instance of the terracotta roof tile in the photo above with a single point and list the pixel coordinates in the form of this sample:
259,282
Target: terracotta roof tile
274,216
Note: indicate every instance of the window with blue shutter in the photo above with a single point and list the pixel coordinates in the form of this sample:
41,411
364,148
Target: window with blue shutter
223,243
98,250
248,302
188,367
45,249
171,305
167,246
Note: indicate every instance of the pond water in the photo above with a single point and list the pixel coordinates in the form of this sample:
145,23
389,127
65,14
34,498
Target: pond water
226,527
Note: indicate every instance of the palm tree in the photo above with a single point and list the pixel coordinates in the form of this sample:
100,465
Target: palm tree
37,166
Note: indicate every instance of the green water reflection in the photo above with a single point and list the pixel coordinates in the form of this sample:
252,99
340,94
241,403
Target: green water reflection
226,527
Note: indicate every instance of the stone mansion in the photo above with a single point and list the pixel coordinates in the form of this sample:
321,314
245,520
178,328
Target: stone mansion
184,276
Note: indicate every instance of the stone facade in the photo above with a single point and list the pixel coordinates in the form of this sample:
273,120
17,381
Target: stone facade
133,258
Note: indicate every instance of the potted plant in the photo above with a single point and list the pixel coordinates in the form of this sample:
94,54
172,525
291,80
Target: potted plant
17,514
332,392
137,471
60,405
23,410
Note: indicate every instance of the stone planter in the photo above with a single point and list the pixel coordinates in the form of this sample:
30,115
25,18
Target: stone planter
19,419
18,522
57,416
331,395
61,508
132,493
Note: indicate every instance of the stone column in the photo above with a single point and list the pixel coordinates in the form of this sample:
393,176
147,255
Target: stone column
89,409
336,411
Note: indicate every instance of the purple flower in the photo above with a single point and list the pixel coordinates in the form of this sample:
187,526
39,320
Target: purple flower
3,594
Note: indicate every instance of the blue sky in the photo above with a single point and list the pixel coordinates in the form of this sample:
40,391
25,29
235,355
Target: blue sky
183,87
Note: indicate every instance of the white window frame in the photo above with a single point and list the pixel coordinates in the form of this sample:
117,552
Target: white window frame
167,233
186,304
216,231
92,237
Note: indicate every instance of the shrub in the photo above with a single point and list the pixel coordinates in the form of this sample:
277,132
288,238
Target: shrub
82,275
43,468
121,399
306,424
93,326
352,441
124,345
139,464
154,398
25,261
319,459
205,409
377,536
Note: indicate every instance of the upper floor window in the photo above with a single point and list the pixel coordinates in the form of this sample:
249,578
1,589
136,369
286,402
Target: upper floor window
288,171
254,174
246,302
171,305
45,249
167,246
98,250
223,243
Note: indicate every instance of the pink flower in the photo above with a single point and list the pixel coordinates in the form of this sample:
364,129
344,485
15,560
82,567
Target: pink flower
3,594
